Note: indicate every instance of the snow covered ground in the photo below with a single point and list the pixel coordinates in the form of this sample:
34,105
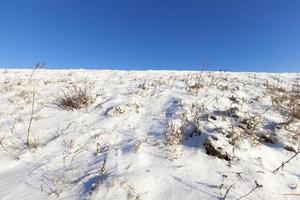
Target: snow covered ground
149,135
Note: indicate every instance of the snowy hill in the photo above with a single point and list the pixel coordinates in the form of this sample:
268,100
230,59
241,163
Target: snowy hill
149,135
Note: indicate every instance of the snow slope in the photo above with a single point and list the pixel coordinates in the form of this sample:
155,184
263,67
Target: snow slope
138,140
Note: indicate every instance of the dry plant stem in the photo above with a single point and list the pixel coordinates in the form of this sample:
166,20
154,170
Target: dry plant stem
227,191
102,169
37,66
2,139
252,190
284,163
102,173
2,145
292,194
31,116
222,182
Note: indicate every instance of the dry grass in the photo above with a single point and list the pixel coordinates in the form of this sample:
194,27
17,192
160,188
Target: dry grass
296,111
284,99
28,142
74,98
174,133
33,143
194,84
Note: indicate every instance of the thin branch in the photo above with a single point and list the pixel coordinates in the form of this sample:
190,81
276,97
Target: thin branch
257,185
31,116
37,66
284,163
227,191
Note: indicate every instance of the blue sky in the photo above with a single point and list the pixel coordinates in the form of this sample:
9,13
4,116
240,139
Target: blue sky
235,35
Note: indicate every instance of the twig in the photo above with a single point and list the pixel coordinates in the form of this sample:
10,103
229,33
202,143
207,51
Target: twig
37,66
284,163
227,191
2,144
257,185
31,116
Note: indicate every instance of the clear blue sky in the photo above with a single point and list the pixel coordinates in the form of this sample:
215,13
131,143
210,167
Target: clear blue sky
236,35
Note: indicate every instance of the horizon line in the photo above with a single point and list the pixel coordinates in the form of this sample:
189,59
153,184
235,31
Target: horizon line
145,69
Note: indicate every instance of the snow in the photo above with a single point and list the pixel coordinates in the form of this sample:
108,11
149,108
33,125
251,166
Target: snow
117,147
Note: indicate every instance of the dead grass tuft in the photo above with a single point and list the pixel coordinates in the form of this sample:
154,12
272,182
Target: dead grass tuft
33,143
194,84
296,111
74,98
174,133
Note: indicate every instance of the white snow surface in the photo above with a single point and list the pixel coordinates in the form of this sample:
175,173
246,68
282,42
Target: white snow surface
116,147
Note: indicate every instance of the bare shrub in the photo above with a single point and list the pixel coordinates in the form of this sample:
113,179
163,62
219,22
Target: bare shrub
74,98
